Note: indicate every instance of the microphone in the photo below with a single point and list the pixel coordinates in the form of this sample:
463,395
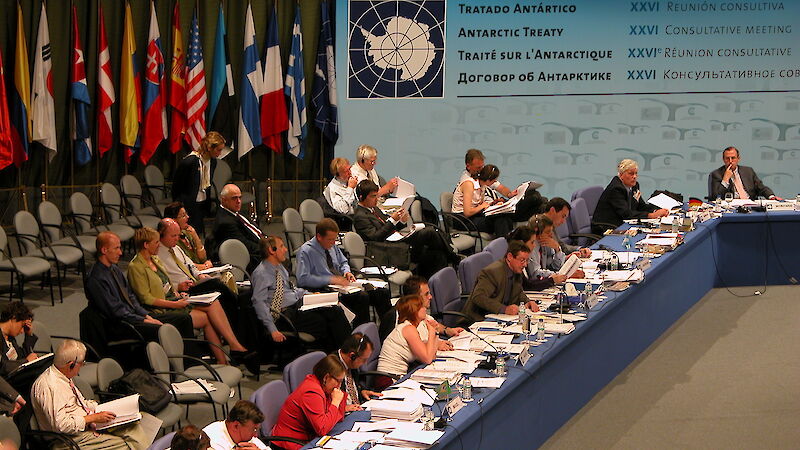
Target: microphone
442,422
613,252
491,363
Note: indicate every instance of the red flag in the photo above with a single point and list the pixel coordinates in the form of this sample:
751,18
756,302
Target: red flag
105,89
177,88
6,146
155,116
196,99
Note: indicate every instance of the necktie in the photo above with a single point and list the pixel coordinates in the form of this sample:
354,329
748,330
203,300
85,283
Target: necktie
329,260
250,226
352,392
79,398
737,182
375,213
122,291
181,265
277,299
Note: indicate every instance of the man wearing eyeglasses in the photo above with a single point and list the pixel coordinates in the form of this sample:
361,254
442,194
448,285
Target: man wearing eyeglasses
60,407
354,353
239,430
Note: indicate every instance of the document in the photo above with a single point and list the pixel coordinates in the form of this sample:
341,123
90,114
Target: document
126,409
487,382
377,284
510,205
404,190
503,317
216,270
203,299
572,264
664,201
411,395
314,301
467,356
192,387
372,270
405,232
419,437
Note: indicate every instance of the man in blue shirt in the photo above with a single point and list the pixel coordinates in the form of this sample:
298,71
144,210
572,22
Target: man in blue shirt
320,262
107,290
327,324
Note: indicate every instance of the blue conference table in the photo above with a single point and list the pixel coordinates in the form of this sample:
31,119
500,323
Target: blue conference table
567,371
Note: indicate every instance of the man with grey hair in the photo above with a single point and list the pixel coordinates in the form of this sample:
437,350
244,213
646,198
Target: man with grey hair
230,224
622,200
60,407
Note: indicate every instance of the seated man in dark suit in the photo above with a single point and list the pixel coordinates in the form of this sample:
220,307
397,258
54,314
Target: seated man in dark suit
229,224
623,200
429,250
320,262
107,290
498,289
742,181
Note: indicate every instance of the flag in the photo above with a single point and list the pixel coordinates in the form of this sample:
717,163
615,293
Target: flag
177,88
249,127
79,92
19,96
155,116
196,98
6,143
222,104
323,97
105,91
130,112
273,104
295,89
42,105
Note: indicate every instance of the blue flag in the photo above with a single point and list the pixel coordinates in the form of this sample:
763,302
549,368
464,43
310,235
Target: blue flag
324,91
295,89
252,78
79,92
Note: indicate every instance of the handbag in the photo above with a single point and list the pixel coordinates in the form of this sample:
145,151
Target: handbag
153,394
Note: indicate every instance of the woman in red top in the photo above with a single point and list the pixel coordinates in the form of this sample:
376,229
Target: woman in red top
315,406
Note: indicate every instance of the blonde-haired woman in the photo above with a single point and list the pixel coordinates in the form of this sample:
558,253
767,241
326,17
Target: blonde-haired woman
149,281
192,181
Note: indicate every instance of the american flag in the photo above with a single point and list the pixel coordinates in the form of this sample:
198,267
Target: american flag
196,98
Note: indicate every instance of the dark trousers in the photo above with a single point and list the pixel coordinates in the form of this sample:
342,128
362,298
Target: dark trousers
531,204
197,212
181,321
360,302
497,224
328,325
429,251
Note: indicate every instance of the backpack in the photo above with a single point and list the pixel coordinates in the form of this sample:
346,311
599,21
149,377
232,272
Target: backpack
153,394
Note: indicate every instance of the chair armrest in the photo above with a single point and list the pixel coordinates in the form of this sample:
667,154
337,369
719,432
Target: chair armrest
207,366
63,438
467,318
210,344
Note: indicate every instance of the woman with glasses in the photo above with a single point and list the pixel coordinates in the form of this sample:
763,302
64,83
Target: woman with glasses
315,406
190,241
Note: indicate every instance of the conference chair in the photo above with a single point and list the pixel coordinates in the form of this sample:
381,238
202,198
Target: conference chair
296,371
222,176
115,212
370,330
159,365
445,288
23,268
497,248
234,252
53,225
63,255
463,226
269,399
109,370
131,191
581,224
470,267
162,443
173,344
354,245
294,230
156,187
83,217
44,345
591,195
311,213
38,438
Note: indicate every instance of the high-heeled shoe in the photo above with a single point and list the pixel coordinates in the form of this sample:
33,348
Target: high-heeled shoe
249,359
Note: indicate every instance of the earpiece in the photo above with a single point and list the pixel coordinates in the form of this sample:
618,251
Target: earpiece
73,364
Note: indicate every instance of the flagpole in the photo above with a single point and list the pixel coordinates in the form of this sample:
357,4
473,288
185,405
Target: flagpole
97,101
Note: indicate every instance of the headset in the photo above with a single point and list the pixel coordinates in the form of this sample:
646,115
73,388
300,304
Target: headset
363,190
73,364
536,224
354,356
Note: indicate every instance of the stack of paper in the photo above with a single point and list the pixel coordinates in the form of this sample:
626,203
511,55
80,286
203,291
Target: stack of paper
216,270
453,365
412,439
352,440
488,382
467,356
427,375
126,410
372,270
314,301
503,317
632,276
192,387
393,409
559,328
349,289
411,395
203,299
664,239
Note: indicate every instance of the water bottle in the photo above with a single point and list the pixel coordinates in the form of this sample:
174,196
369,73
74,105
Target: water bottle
540,329
587,290
718,205
500,368
676,223
523,315
626,243
797,203
466,390
613,262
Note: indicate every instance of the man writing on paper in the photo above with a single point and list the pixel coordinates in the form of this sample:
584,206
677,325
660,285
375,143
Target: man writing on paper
428,249
59,406
499,286
274,295
354,353
320,262
742,181
622,200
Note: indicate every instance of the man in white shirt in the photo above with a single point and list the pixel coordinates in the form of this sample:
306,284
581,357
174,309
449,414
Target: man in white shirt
340,192
239,430
59,406
366,159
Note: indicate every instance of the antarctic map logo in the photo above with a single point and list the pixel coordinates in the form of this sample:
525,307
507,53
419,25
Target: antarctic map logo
396,49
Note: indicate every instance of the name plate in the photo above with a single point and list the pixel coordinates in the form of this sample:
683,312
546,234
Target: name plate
454,406
781,206
592,301
525,354
643,264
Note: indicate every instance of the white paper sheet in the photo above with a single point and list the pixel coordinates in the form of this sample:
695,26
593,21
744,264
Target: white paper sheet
664,201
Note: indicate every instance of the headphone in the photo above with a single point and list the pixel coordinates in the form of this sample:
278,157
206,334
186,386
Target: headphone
363,190
73,363
272,244
354,356
536,225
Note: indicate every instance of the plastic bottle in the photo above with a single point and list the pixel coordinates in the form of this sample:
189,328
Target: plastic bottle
466,390
540,329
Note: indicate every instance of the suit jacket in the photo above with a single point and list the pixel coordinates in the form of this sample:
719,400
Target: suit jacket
186,181
370,227
752,184
6,365
490,291
146,284
227,226
616,205
8,396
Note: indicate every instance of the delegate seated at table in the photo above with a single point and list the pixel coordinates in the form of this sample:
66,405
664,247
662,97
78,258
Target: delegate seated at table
622,200
741,181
